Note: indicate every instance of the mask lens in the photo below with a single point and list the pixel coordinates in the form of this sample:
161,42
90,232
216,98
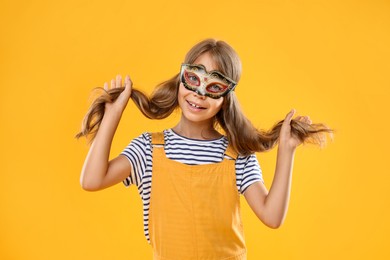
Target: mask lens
216,88
191,78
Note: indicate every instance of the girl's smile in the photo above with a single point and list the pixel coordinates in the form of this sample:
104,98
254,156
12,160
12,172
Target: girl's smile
195,106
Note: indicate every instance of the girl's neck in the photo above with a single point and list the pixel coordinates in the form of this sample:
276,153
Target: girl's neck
196,130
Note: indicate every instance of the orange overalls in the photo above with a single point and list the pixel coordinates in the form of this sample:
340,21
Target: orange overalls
194,210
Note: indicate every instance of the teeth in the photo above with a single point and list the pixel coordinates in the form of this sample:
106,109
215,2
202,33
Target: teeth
194,105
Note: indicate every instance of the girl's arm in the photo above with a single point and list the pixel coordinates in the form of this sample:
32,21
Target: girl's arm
97,173
271,207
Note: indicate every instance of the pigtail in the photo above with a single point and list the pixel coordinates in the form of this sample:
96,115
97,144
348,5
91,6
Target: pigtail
160,105
247,139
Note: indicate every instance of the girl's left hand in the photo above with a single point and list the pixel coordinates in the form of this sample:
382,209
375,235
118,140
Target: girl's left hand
286,139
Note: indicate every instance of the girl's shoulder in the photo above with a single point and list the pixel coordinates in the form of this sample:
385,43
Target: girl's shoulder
144,138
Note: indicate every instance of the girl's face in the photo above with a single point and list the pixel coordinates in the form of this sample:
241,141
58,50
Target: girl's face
195,107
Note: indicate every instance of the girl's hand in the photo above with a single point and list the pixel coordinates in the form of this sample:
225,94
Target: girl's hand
120,103
286,139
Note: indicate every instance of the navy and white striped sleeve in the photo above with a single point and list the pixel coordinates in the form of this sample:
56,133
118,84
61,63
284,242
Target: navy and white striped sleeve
249,171
135,152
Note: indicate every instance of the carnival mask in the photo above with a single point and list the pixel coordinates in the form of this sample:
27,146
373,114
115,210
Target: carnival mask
212,84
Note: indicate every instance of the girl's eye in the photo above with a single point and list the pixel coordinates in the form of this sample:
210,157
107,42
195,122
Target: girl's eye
192,78
216,88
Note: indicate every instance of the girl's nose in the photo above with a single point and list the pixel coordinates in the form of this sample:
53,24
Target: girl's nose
199,96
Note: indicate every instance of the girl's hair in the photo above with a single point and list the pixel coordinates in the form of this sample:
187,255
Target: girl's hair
241,134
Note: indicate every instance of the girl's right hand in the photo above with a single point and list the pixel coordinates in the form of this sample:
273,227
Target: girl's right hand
120,103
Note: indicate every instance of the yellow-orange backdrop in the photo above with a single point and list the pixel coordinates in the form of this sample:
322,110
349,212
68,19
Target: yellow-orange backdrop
326,59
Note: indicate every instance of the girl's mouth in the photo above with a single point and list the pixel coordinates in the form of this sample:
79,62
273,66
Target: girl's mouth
195,105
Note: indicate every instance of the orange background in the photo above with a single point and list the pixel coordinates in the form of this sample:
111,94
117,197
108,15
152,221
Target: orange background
326,59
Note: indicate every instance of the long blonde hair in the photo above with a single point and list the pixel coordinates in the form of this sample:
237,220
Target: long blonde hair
241,134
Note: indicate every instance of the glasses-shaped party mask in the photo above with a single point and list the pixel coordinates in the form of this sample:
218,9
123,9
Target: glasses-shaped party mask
212,84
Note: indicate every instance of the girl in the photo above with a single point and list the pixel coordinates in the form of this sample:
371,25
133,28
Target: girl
190,176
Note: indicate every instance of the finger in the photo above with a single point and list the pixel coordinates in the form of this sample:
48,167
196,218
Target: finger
128,82
105,86
306,119
112,83
287,120
118,81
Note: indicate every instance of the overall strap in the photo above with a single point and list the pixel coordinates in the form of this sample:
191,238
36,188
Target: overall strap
157,138
231,152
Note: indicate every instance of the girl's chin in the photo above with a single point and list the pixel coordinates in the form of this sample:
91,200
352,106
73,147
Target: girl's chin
196,118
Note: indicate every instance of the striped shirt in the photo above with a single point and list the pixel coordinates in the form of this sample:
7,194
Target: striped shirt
187,151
